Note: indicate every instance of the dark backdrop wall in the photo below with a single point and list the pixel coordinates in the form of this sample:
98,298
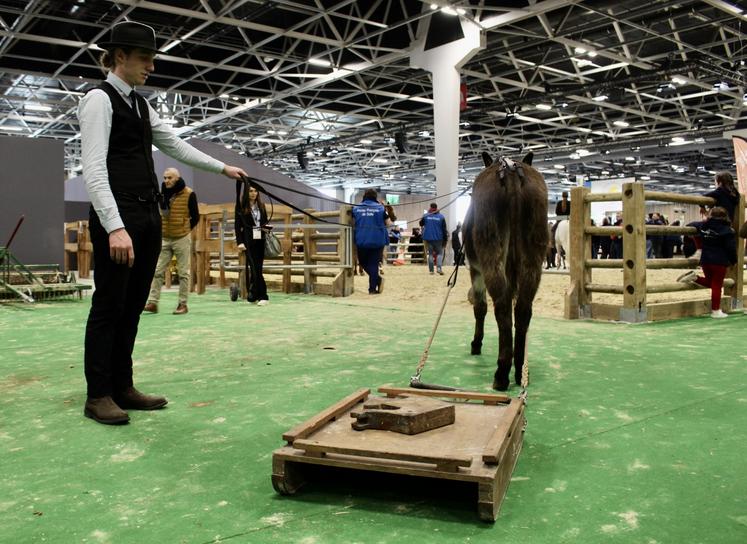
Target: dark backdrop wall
210,188
31,184
217,189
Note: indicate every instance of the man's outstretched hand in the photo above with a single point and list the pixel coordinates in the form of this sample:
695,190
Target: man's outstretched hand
233,172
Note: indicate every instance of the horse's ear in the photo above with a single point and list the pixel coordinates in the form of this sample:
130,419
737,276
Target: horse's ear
487,159
528,159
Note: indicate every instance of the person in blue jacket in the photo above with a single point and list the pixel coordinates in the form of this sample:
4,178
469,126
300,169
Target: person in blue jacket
371,221
718,253
435,234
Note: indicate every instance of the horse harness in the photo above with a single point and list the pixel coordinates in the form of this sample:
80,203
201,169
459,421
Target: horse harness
509,165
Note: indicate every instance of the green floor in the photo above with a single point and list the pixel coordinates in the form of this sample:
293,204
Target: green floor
635,433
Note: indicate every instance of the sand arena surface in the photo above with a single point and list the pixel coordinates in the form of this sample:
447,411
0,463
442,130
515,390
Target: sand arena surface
413,285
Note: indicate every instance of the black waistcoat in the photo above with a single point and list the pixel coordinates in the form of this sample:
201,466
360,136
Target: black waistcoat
129,160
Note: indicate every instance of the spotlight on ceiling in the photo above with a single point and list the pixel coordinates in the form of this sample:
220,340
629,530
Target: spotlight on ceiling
303,160
666,89
400,142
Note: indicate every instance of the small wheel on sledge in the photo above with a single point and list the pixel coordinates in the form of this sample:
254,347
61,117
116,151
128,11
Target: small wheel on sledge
234,292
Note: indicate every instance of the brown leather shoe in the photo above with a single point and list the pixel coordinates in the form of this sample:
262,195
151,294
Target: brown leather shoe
133,399
181,309
151,307
104,410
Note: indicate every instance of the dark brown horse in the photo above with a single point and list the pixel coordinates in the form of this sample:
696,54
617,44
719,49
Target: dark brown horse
505,240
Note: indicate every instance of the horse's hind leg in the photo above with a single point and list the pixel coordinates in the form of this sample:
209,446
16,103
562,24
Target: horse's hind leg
502,311
479,308
522,317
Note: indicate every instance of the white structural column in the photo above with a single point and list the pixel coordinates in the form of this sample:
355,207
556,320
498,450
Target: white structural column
444,62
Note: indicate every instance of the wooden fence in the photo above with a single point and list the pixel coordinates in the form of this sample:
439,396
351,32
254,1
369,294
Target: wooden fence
78,248
316,256
635,307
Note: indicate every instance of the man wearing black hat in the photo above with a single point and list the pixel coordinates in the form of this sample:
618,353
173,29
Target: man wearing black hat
117,128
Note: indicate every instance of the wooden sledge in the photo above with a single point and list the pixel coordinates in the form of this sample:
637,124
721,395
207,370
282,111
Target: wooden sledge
481,446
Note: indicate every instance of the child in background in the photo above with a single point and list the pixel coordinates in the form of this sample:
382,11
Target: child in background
725,196
719,252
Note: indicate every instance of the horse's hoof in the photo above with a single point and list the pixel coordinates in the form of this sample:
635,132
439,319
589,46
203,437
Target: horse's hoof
500,385
476,349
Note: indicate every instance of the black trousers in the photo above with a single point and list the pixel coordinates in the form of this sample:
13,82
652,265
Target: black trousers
253,269
119,297
369,260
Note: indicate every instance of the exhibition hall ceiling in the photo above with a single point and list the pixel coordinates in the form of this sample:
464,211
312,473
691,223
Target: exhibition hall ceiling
324,90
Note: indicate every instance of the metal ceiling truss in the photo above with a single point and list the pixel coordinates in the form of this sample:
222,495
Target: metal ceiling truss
595,88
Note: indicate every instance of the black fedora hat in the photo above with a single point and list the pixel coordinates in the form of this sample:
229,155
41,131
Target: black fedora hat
131,34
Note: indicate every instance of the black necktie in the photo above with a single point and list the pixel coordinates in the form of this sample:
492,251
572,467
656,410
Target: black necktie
133,101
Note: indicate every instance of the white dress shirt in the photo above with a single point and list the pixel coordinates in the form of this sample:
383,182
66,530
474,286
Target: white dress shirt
95,119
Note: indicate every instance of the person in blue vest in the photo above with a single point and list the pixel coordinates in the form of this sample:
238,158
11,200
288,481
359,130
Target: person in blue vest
371,222
117,129
435,233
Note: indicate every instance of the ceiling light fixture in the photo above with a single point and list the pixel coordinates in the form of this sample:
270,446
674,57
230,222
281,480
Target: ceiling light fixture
544,107
600,98
732,9
623,124
320,62
170,46
37,107
582,62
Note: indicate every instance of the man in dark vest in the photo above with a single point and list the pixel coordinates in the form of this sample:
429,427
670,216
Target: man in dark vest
117,128
179,215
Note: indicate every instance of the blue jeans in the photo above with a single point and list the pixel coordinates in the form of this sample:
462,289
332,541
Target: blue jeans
435,252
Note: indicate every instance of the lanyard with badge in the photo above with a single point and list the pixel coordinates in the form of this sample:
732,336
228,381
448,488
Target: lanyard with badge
256,231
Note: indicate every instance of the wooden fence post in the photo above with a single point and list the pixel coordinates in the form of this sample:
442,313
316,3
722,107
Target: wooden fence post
309,249
577,298
287,245
347,283
634,254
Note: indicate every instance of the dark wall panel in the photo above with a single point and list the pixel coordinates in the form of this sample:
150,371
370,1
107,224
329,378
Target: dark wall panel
217,189
31,184
76,211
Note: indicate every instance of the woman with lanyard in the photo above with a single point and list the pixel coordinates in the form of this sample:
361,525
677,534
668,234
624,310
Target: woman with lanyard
250,225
